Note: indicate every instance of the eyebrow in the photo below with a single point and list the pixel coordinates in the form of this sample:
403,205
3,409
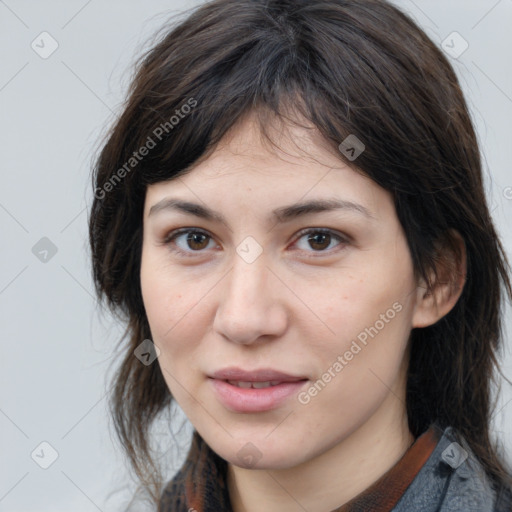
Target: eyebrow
283,214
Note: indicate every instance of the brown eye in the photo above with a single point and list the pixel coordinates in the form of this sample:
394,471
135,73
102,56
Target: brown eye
196,241
186,242
319,241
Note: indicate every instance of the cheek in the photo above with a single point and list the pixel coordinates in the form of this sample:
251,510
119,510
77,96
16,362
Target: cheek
175,329
355,303
171,306
358,364
369,314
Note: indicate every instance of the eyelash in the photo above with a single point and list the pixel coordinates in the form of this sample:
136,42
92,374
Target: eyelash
171,237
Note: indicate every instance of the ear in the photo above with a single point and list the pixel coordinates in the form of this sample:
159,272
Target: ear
446,282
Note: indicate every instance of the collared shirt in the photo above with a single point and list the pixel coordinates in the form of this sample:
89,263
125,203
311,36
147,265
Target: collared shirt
436,474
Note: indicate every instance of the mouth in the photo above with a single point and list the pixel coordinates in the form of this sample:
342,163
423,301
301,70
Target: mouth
263,375
257,391
254,385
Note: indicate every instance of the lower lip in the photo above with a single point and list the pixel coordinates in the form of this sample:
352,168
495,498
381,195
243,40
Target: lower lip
254,400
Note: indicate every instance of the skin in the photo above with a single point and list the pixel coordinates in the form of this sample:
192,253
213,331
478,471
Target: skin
296,308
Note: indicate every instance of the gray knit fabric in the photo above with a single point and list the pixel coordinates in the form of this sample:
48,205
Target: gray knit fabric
451,480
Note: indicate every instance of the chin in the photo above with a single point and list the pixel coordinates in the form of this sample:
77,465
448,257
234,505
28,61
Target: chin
251,453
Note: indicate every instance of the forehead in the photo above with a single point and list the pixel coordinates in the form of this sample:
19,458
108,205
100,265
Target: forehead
284,147
247,169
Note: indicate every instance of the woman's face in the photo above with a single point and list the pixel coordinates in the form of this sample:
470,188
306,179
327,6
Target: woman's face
318,299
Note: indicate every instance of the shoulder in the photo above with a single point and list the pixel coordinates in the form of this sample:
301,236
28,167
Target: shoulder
453,480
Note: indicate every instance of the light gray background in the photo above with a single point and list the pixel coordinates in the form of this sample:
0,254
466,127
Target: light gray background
57,352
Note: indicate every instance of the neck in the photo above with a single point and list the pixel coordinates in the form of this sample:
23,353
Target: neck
332,478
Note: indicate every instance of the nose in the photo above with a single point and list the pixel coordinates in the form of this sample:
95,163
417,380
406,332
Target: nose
250,307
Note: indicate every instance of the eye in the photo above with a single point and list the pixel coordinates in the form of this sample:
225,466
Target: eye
319,240
188,241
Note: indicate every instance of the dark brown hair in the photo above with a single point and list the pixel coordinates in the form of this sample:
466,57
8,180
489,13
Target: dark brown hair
361,68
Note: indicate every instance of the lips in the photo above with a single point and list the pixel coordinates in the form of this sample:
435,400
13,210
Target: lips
254,385
263,375
254,391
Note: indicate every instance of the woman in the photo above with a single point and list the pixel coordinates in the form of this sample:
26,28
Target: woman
290,215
